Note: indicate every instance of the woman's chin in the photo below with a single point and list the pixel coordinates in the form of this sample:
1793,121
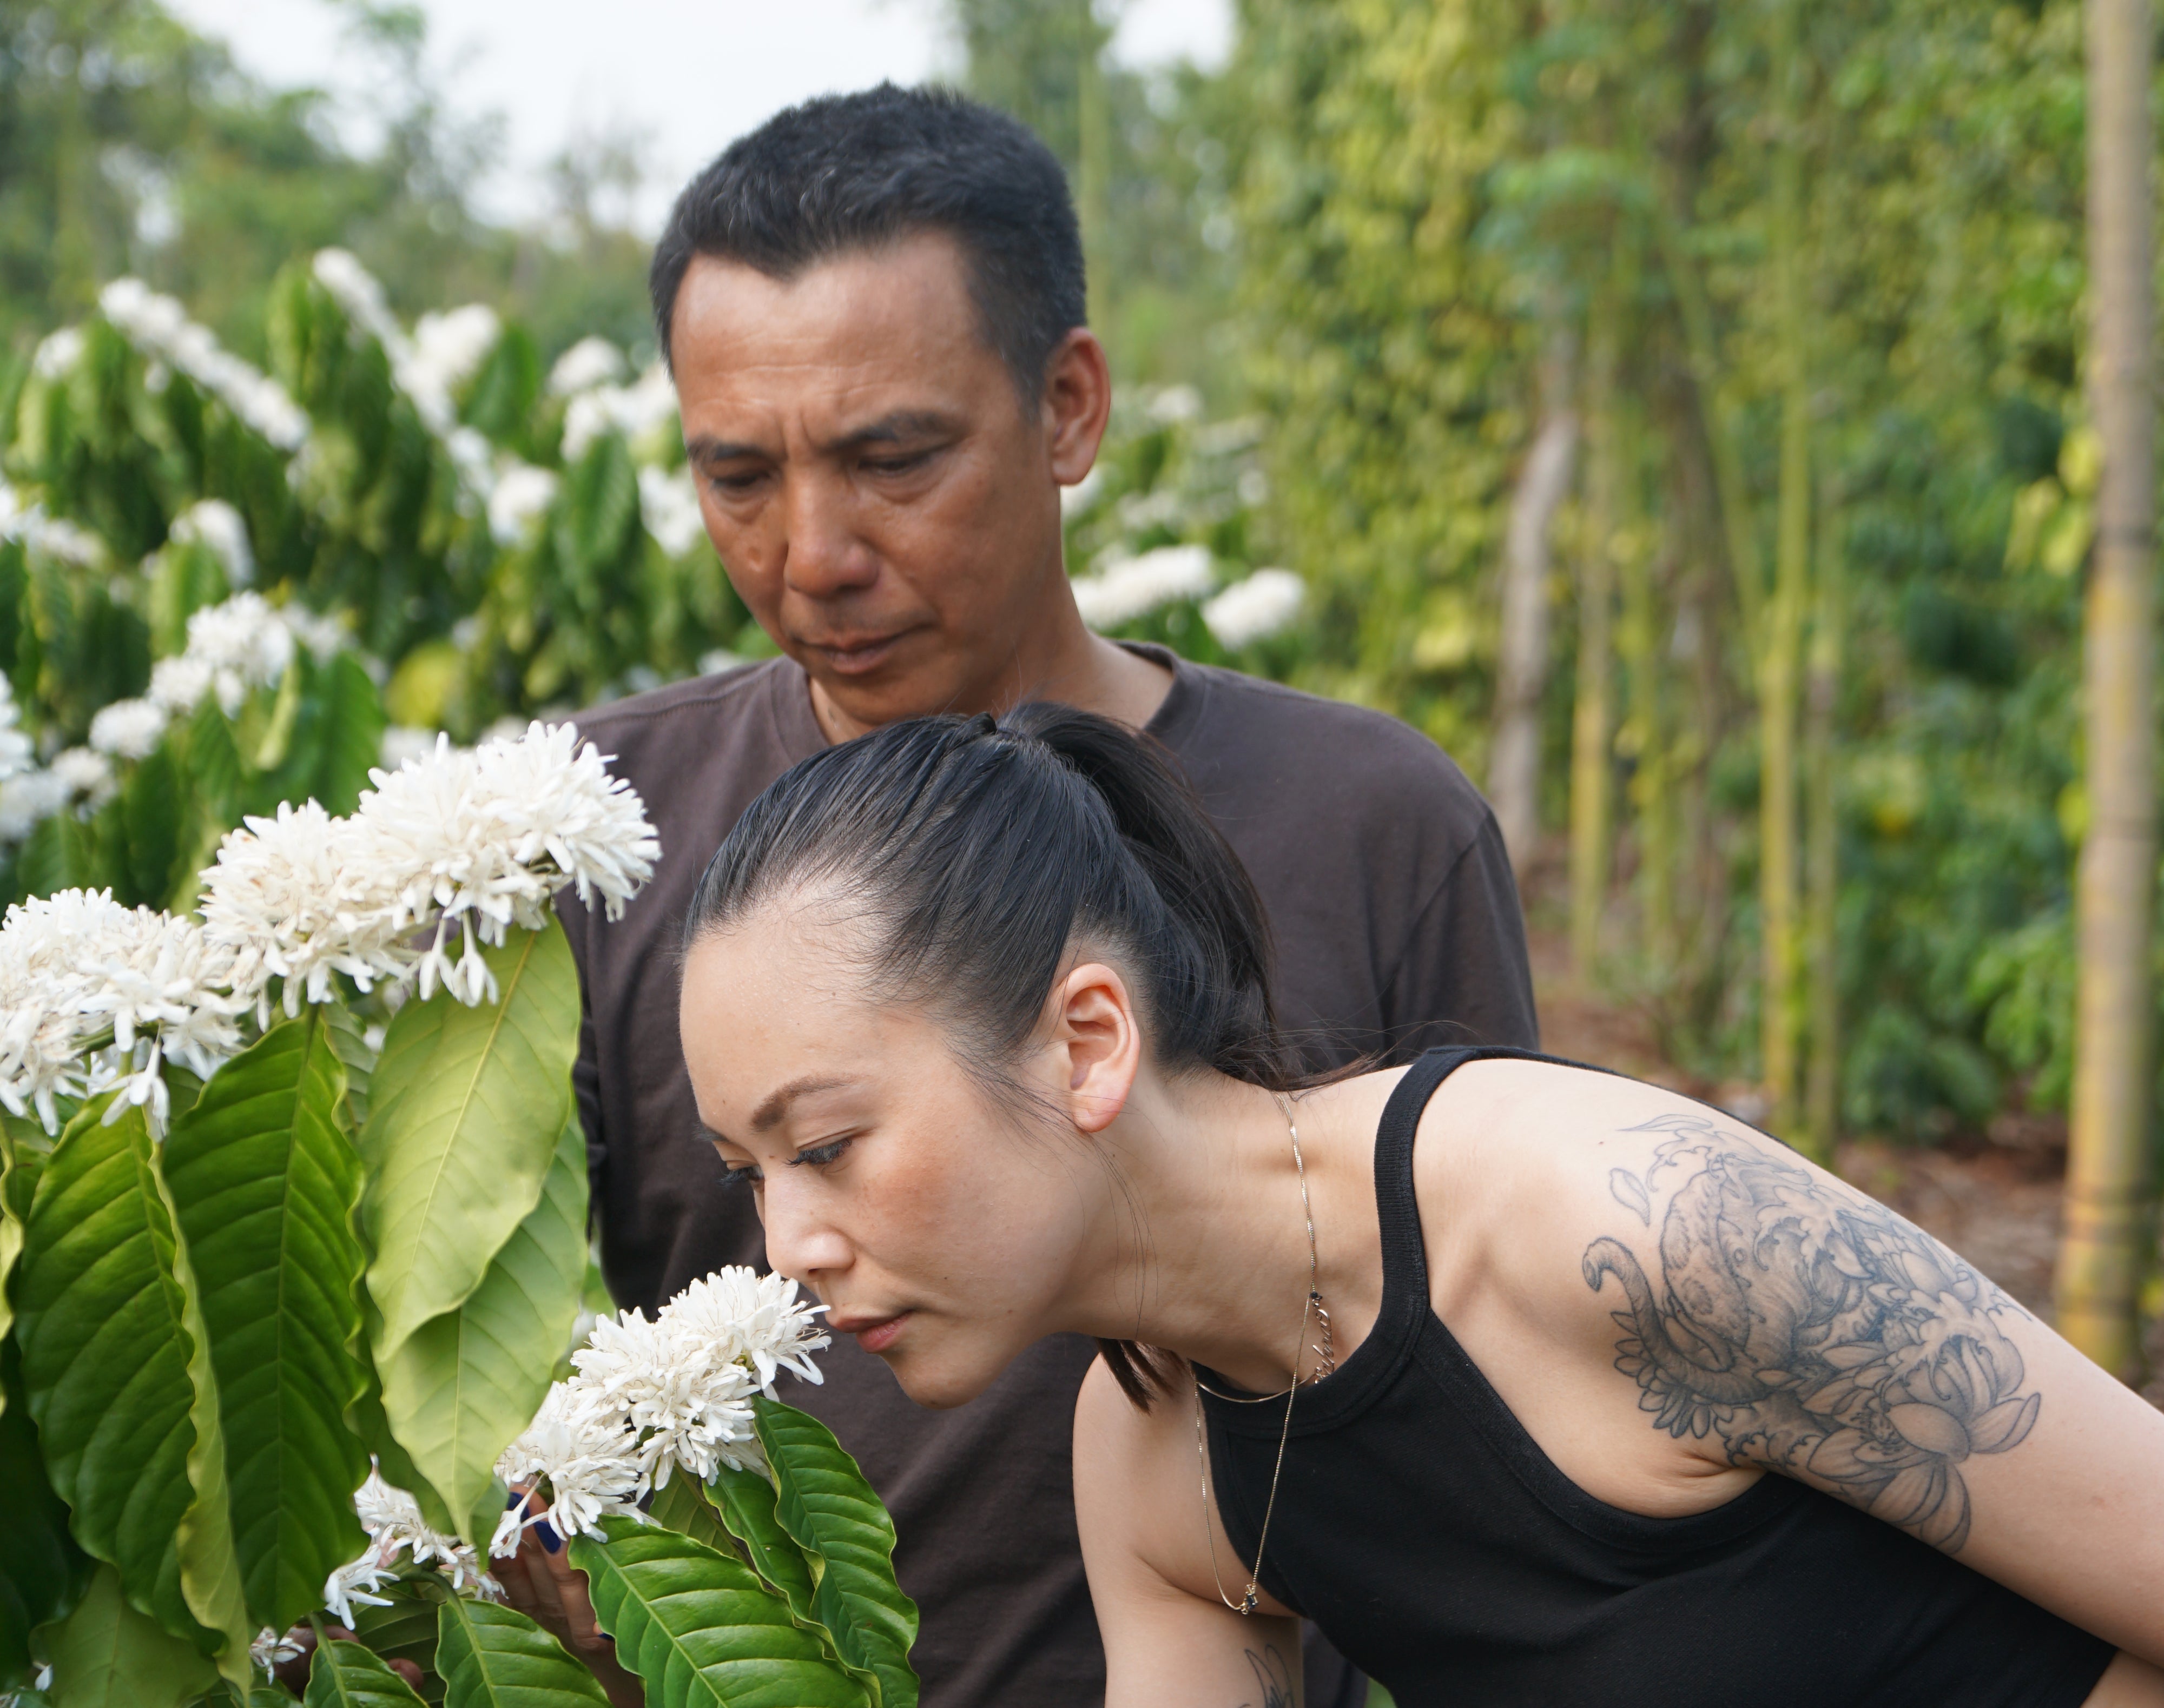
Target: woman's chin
939,1383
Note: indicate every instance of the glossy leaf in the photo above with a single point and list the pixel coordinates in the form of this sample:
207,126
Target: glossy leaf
682,1505
42,1571
458,1392
346,1675
823,1500
106,1654
494,1657
456,1155
406,1628
700,1629
745,1502
265,1179
11,1225
117,1369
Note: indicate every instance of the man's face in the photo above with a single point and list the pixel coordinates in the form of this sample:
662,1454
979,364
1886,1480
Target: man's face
885,504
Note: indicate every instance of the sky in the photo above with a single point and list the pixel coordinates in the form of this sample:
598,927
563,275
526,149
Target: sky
691,75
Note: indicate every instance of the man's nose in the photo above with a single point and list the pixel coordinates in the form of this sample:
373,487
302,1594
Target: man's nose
825,554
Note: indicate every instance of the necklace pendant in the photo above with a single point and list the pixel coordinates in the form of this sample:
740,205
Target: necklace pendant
1247,1602
1325,1349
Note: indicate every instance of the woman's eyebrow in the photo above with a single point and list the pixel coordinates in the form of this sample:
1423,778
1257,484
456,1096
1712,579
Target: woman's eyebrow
768,1115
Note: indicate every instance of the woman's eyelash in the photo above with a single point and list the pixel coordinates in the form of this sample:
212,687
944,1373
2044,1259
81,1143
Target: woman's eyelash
736,1180
819,1155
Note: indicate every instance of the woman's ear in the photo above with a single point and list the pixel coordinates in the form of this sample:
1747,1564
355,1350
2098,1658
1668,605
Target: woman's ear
1096,1044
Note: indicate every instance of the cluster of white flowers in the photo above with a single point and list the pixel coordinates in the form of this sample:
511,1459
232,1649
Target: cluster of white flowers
160,328
95,995
633,410
651,1398
1128,588
591,361
476,840
392,1519
520,497
245,642
30,793
1263,604
216,524
669,505
25,520
57,354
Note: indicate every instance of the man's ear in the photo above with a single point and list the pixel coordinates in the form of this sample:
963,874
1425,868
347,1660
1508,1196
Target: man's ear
1077,403
1096,1043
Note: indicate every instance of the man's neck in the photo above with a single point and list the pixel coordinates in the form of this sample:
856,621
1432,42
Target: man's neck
1092,674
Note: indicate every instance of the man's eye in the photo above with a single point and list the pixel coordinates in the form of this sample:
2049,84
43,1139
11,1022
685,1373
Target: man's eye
736,1179
734,485
819,1155
896,465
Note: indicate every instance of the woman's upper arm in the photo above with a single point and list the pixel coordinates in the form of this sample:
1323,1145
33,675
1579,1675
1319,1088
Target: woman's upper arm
1782,1319
1165,1646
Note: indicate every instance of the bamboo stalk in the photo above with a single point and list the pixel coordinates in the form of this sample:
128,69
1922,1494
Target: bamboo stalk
1514,771
1780,653
2106,1194
1821,1128
1593,716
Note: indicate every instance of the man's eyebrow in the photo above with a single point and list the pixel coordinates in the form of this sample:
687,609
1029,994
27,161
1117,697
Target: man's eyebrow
706,449
768,1115
891,429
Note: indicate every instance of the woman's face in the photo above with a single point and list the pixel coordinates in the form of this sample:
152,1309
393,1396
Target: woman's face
940,1229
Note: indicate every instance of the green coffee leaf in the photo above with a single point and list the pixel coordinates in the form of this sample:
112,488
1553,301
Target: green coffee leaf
345,1675
745,1501
265,1179
493,1657
106,1654
460,1389
457,1155
117,1369
823,1501
42,1571
700,1629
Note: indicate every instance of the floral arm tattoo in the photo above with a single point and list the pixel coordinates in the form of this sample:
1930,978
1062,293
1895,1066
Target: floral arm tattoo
1273,1678
1811,1333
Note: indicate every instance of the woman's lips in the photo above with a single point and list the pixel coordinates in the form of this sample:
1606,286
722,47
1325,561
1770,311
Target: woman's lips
878,1335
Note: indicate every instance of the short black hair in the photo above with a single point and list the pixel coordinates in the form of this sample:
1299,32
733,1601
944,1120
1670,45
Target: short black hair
847,172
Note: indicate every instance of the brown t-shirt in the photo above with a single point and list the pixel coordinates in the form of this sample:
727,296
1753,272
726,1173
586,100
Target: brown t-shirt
1397,928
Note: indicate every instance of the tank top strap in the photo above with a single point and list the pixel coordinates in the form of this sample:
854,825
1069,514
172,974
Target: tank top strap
1404,1253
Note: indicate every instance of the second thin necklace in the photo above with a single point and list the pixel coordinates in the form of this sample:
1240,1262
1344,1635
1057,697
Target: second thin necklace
1312,1310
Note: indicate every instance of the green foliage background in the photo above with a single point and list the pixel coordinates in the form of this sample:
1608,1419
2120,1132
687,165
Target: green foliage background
1354,242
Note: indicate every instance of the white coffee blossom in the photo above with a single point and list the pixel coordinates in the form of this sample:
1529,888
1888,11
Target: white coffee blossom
591,361
94,995
449,347
1176,404
245,642
1261,605
1126,588
129,729
301,896
392,1517
178,683
521,495
213,522
85,773
26,800
479,840
649,1399
24,518
354,289
272,1649
58,353
633,410
669,505
161,329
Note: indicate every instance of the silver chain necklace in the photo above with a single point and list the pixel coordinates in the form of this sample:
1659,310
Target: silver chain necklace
1311,1310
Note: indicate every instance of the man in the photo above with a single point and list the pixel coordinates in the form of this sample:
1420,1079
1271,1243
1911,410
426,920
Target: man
873,307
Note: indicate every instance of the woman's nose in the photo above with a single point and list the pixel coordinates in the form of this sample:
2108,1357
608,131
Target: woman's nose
801,1243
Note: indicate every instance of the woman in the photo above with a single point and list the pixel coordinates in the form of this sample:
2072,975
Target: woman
1527,1382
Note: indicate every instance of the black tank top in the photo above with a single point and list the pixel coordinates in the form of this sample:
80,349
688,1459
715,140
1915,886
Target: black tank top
1418,1525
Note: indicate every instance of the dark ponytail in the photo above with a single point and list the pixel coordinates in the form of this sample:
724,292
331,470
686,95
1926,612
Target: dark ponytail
975,849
